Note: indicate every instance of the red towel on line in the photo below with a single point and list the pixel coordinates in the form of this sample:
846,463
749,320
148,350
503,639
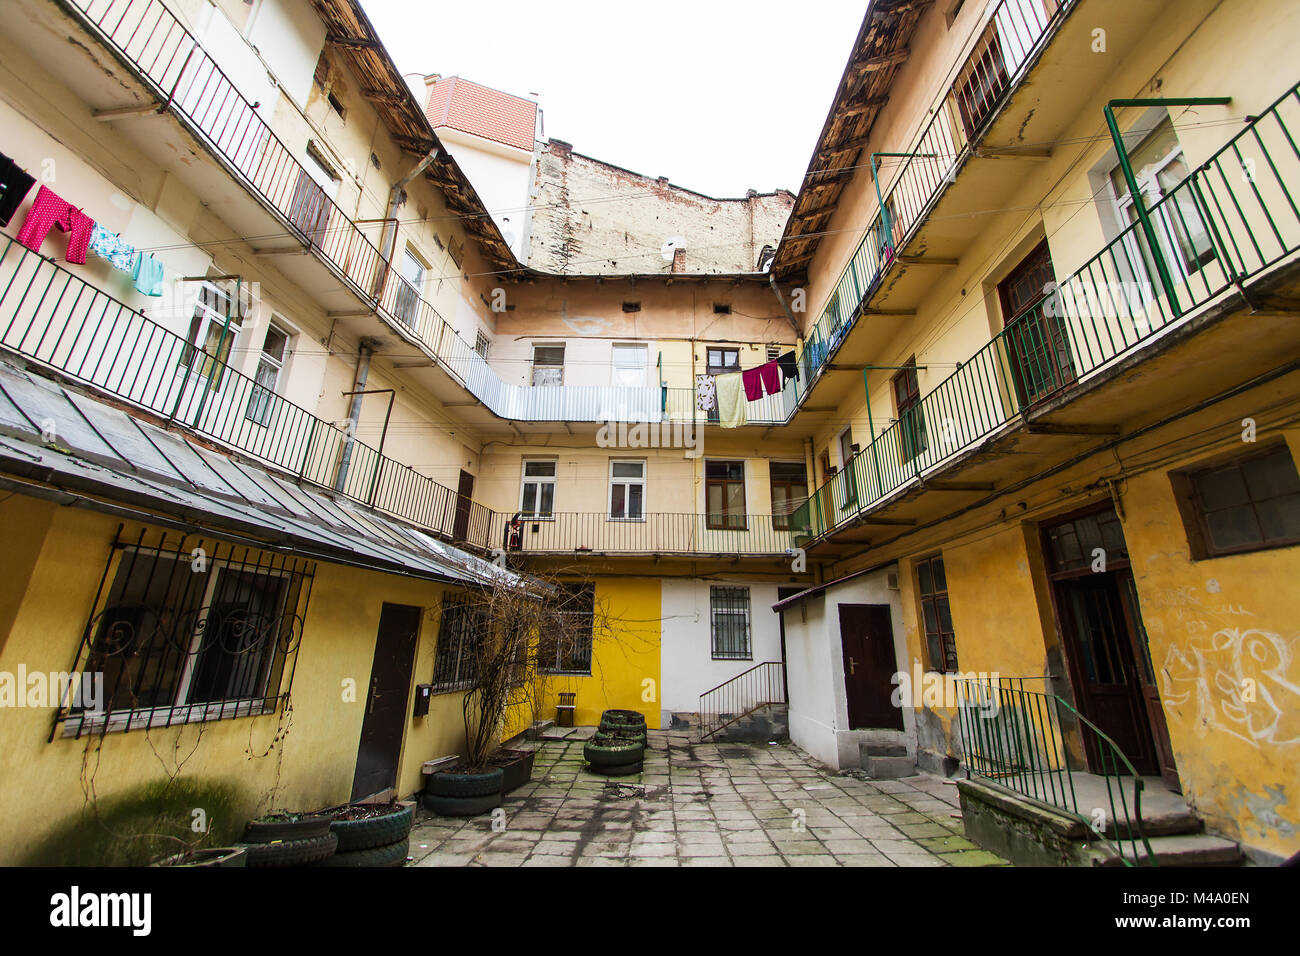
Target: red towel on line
760,381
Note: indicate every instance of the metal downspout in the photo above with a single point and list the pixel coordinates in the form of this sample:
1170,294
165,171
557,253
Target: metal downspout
364,351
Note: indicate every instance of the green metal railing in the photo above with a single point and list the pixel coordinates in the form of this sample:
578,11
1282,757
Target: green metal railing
51,316
1012,737
1232,218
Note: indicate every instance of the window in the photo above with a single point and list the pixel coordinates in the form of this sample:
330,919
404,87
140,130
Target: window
213,330
729,614
911,417
269,365
310,204
630,364
409,287
537,499
460,634
849,483
336,105
724,495
576,615
481,344
627,490
936,617
456,249
1244,505
1158,166
178,640
548,364
720,362
789,490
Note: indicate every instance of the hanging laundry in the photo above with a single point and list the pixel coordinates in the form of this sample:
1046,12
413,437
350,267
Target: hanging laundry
50,210
770,376
753,384
148,274
731,401
111,246
16,185
706,393
789,367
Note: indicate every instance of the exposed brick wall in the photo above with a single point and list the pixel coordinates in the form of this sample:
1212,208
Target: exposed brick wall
595,218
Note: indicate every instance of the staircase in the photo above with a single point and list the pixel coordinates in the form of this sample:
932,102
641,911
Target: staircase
731,710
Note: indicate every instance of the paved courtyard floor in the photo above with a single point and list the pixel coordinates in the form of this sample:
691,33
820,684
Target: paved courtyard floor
715,804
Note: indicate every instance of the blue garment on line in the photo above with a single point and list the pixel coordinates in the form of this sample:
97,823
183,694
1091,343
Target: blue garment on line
148,275
111,246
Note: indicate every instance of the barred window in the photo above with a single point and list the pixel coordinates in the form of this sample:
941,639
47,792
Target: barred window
460,634
729,611
187,631
576,613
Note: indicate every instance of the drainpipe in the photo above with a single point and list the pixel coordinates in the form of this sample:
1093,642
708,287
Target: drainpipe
789,316
1139,206
396,196
364,351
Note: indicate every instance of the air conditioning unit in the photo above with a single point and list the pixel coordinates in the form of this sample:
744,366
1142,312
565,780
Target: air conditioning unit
891,580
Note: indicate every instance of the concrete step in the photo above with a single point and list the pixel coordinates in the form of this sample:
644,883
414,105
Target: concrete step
888,768
1166,823
884,750
1193,849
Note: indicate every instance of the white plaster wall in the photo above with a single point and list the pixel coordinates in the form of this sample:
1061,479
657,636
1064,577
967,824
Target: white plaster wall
687,668
499,175
819,715
289,36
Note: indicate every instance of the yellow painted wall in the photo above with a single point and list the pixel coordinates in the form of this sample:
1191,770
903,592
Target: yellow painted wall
309,767
625,655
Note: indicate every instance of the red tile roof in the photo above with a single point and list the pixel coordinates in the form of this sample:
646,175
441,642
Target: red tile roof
472,108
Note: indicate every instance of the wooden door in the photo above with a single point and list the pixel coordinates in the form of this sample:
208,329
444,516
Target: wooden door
867,636
464,499
386,701
1146,679
1037,340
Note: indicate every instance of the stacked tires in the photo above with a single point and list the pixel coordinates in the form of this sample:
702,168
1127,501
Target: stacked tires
373,841
617,749
451,794
294,841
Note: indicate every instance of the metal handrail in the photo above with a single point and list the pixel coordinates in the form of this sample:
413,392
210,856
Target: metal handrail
758,686
1021,747
650,533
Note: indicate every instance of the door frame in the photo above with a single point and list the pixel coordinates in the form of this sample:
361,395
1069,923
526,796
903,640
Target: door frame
407,666
896,712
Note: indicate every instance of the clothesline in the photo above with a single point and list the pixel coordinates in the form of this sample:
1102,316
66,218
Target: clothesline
724,392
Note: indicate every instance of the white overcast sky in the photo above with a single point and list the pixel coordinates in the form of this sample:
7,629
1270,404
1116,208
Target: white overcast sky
720,96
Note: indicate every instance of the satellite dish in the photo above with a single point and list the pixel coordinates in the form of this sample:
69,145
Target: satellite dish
671,245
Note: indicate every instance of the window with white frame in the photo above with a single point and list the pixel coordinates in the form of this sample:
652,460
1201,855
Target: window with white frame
729,616
627,490
214,327
630,364
481,344
537,497
548,364
270,364
411,287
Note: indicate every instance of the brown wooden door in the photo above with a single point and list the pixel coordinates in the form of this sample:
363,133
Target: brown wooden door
464,498
386,701
1146,678
1037,340
867,636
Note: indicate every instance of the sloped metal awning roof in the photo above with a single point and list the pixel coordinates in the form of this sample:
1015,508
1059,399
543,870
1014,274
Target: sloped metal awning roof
69,447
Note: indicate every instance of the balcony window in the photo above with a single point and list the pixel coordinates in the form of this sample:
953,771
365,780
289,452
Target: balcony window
548,365
721,361
936,616
911,416
630,363
789,490
1248,504
627,490
309,207
724,495
481,344
729,620
537,498
269,366
849,481
410,285
1000,51
214,327
1036,336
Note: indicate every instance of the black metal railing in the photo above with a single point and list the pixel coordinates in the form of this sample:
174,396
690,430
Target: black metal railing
656,533
732,700
1012,737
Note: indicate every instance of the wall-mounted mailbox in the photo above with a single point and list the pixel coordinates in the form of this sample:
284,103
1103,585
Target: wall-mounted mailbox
423,693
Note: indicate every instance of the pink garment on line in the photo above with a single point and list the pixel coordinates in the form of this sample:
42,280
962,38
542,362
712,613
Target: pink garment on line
765,379
49,210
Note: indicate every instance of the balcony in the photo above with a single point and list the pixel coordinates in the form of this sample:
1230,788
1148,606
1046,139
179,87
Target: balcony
1227,232
573,533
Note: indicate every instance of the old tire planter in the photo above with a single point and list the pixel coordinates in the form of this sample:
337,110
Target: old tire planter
303,828
392,854
461,806
620,732
291,852
619,769
623,718
614,753
357,835
450,784
222,856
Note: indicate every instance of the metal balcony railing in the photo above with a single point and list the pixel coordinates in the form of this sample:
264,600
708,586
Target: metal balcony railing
53,317
581,533
1231,219
1012,737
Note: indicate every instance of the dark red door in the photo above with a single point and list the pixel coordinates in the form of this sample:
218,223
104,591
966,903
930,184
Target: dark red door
386,701
867,635
464,499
